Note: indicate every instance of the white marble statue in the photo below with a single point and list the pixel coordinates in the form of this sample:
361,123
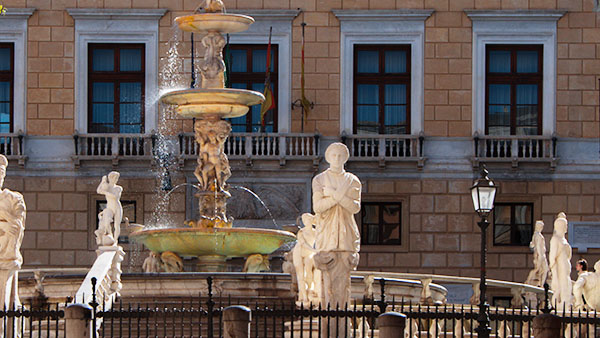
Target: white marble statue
336,198
308,276
257,263
12,229
588,286
560,264
152,263
113,213
538,275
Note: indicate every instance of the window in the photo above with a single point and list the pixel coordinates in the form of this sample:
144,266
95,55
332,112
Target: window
382,89
116,87
6,87
514,90
248,64
513,223
381,223
514,28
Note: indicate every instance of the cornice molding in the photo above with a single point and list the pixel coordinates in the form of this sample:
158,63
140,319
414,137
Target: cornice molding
382,15
515,15
116,14
268,14
18,13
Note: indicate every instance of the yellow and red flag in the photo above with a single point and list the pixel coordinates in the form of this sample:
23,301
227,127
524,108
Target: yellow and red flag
303,101
268,92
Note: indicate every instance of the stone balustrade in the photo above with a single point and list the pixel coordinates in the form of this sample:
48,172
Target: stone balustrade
515,149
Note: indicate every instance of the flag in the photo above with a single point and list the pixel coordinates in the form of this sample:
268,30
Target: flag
2,10
269,102
303,101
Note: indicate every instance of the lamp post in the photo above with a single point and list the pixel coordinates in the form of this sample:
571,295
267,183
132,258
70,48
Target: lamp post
483,193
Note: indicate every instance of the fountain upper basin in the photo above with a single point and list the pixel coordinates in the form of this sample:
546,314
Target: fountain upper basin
228,242
214,22
225,102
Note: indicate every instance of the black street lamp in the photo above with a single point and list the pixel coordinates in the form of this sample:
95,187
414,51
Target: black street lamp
483,193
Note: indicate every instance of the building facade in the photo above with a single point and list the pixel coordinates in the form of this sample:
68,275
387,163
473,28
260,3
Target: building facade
421,91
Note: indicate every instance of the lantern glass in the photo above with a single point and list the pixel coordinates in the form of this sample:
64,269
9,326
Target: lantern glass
483,198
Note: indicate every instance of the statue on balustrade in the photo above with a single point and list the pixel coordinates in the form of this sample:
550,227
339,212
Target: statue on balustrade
560,263
12,229
113,213
336,198
539,274
588,286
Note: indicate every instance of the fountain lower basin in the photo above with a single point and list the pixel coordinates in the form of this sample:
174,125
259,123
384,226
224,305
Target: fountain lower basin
213,245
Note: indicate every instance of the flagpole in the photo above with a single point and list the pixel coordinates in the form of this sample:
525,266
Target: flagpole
303,24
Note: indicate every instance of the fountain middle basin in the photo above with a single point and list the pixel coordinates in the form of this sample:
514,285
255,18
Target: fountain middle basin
225,242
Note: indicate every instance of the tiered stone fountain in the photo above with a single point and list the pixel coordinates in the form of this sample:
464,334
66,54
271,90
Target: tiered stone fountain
212,238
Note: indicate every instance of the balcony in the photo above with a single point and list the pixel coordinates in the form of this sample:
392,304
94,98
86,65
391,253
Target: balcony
113,147
254,146
515,150
11,146
386,148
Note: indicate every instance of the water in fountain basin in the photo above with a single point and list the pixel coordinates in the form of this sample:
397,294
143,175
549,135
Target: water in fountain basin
259,200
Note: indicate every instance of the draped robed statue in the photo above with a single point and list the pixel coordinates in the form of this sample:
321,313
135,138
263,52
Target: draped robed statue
336,198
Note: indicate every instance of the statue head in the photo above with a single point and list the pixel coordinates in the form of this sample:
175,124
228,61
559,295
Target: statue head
308,219
3,165
539,226
113,177
336,155
561,215
597,267
560,226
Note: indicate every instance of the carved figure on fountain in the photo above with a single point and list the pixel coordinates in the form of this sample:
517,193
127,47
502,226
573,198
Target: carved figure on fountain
12,230
588,286
211,6
257,263
213,165
152,263
560,263
336,198
540,271
171,262
308,276
213,66
108,235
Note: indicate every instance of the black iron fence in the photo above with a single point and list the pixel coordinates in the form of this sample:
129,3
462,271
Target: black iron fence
33,320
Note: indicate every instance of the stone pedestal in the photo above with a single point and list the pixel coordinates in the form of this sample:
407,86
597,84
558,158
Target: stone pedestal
212,263
78,320
546,326
391,324
236,322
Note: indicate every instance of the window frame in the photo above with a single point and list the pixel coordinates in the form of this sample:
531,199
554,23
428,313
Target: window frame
513,79
381,79
116,77
364,229
512,224
251,77
10,77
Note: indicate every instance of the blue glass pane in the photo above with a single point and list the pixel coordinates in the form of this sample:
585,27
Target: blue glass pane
527,94
367,61
395,61
500,61
367,94
103,60
259,87
238,61
130,129
4,128
102,113
368,115
5,59
395,94
131,92
4,91
130,113
131,60
395,115
259,60
238,124
238,85
527,61
103,92
4,111
255,111
499,94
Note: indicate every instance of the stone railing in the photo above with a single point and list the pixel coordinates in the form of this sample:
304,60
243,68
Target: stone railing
385,148
514,149
517,290
12,145
258,146
113,147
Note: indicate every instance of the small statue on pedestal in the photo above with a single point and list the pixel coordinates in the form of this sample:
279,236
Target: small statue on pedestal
113,213
539,274
560,264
